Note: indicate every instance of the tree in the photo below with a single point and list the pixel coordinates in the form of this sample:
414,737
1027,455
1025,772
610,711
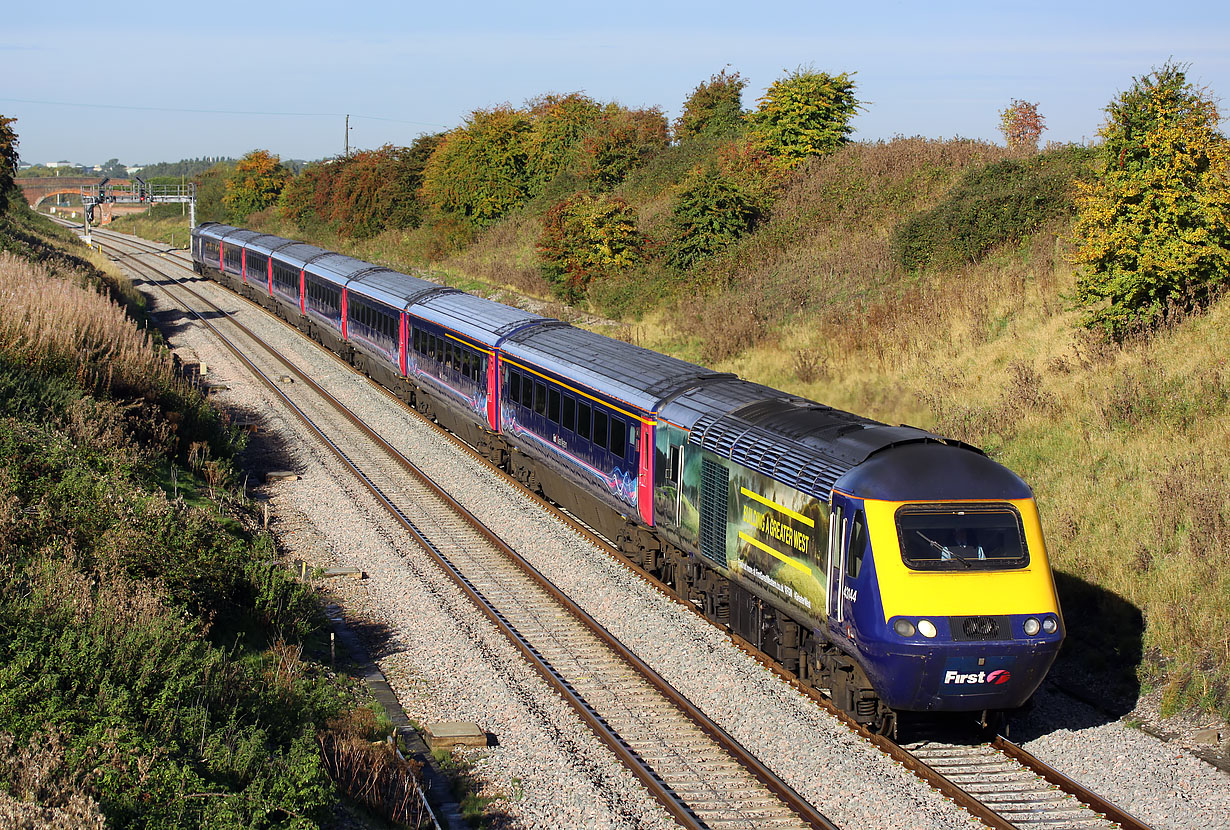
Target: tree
714,108
553,142
114,169
585,237
1154,224
1022,125
255,184
807,113
8,159
621,140
479,169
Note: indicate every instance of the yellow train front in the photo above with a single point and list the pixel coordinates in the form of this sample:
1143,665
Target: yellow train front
947,597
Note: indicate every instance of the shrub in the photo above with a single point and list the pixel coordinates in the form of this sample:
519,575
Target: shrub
714,108
584,238
807,113
1152,224
710,213
990,205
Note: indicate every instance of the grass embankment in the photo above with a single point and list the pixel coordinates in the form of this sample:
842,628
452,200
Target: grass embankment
152,664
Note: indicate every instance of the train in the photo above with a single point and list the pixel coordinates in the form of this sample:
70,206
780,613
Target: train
900,571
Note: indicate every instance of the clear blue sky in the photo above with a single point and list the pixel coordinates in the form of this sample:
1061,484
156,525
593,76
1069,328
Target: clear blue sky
282,76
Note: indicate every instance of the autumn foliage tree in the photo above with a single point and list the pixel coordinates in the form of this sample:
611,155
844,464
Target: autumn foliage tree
8,158
255,184
1154,224
715,108
620,141
807,113
364,193
586,237
1021,125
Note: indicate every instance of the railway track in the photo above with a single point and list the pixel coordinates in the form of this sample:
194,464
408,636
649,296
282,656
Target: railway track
697,772
995,781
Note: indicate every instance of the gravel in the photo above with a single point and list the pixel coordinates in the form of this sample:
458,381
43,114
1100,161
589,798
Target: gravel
447,663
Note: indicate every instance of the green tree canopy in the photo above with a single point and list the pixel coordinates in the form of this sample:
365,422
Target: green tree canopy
714,108
1154,225
806,113
552,145
255,184
479,169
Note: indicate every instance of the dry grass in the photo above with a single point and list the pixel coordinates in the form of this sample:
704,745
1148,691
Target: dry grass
45,317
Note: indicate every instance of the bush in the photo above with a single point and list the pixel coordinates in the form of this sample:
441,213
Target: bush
552,145
584,238
807,113
714,108
479,170
711,212
619,142
990,205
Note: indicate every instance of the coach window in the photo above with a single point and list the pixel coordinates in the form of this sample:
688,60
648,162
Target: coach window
512,382
458,356
599,428
619,438
583,419
527,392
553,405
540,398
570,413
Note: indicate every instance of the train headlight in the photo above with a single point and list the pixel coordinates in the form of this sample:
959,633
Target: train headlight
1050,625
904,627
1032,626
926,628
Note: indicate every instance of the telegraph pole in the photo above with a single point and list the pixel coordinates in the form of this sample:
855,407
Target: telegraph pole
347,136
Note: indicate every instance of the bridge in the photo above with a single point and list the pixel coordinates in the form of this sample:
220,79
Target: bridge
39,188
111,195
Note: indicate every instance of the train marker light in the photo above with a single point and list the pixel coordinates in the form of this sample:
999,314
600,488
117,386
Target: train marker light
926,628
1050,625
904,627
1032,626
